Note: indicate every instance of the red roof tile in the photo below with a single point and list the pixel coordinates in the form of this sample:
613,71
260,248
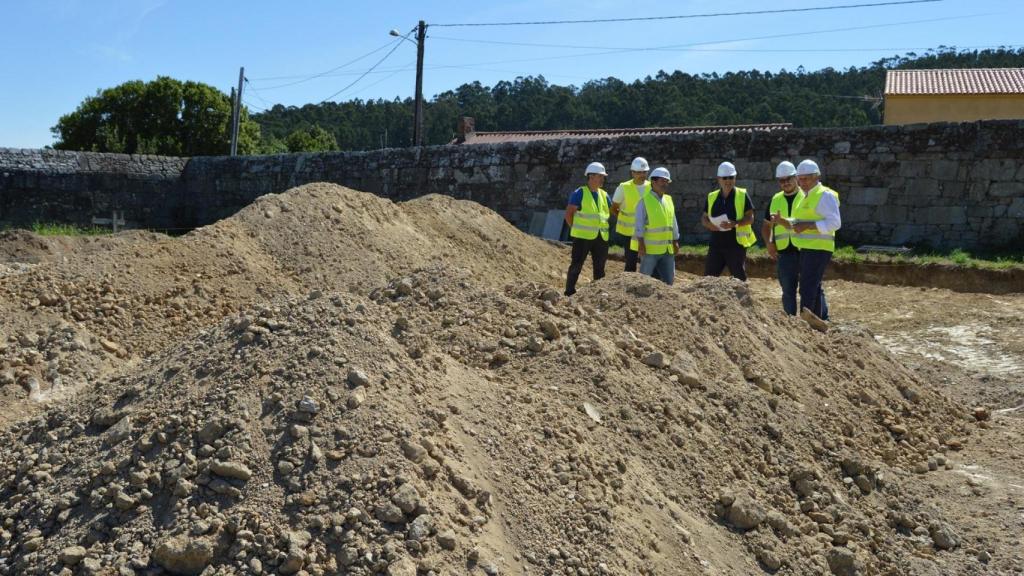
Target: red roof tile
962,81
499,137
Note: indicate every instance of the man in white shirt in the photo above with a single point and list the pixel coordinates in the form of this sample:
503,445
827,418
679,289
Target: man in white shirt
814,224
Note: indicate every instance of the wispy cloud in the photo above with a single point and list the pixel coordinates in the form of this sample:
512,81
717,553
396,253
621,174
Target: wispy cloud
110,52
125,20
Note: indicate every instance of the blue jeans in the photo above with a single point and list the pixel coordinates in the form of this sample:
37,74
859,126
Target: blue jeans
664,264
812,270
788,269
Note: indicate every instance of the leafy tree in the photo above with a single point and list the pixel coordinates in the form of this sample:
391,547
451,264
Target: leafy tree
167,116
312,138
163,116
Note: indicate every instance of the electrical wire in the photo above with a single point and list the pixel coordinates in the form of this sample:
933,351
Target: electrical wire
378,63
675,48
692,16
397,71
321,74
686,47
250,105
257,94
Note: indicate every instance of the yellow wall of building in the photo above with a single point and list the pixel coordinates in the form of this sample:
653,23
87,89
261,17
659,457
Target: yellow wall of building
911,109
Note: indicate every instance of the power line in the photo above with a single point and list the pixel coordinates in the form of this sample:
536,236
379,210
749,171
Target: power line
406,67
384,70
251,105
692,16
326,72
686,47
257,94
675,49
378,63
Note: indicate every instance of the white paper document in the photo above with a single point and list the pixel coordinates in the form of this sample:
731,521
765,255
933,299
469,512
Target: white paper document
717,221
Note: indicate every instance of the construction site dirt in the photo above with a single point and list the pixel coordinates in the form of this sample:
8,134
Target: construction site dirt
332,383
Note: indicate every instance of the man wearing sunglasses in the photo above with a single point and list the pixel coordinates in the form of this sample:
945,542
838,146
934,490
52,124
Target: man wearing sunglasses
728,215
778,239
657,230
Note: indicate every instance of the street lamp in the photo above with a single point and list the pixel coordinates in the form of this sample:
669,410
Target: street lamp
417,118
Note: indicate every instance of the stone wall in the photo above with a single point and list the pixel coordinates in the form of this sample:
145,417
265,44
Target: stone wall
73,187
944,185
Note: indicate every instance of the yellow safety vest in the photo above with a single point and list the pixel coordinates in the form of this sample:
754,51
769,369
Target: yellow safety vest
744,234
627,210
781,234
658,227
592,218
807,211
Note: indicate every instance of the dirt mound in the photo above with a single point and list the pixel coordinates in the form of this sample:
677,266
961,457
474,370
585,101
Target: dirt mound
332,383
436,425
127,296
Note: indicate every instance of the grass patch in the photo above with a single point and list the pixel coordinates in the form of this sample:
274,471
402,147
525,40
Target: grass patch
53,229
960,257
848,254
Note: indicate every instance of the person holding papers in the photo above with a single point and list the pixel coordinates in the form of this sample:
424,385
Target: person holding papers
728,215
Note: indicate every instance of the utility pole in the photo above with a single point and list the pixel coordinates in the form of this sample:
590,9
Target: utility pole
231,129
236,114
417,121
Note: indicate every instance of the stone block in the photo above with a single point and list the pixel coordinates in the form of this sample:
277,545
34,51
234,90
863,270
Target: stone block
856,214
946,215
868,196
952,189
1006,189
979,211
1016,209
914,169
923,189
1004,232
945,169
841,147
892,215
908,234
841,167
992,169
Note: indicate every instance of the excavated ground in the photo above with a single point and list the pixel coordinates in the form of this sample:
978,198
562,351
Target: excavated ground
330,383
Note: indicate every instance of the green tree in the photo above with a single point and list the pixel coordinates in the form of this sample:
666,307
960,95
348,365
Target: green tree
164,116
312,138
823,98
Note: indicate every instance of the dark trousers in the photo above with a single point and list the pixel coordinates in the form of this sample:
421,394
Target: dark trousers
812,270
598,250
632,257
787,267
731,256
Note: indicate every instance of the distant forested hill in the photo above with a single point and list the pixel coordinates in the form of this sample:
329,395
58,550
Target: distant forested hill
827,97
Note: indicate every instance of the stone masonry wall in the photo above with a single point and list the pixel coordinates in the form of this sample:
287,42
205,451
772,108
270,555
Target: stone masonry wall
944,185
73,187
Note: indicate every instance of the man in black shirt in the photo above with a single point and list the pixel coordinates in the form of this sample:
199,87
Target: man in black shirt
728,215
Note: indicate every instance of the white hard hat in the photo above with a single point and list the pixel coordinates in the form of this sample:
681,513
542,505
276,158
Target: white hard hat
726,169
807,167
639,165
785,169
595,168
661,172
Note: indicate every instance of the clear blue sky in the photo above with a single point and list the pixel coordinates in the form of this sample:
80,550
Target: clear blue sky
57,52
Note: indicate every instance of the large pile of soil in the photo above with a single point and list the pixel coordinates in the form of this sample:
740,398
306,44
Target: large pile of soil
331,383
